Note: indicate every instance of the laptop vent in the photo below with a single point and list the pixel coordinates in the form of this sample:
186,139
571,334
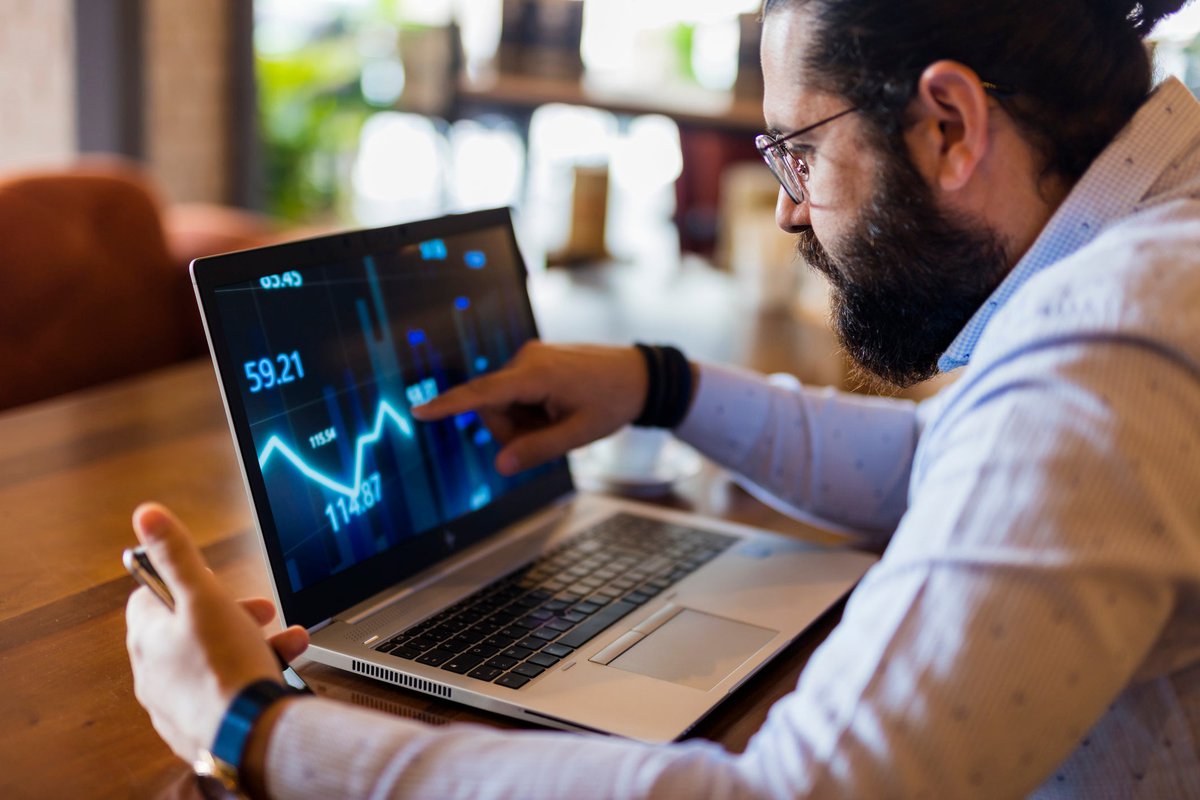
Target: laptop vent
399,678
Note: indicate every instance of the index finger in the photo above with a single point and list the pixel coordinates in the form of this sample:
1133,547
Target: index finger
171,549
503,388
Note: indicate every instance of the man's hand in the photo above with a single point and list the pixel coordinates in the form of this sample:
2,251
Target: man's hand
189,664
549,399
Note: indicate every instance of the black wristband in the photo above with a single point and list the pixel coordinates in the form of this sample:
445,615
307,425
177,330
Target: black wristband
668,387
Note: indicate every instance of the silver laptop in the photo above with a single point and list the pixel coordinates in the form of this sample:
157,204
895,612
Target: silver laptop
410,560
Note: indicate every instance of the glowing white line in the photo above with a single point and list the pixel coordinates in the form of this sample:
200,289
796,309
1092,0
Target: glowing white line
386,411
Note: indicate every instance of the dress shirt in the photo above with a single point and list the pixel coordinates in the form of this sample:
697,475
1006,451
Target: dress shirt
1034,623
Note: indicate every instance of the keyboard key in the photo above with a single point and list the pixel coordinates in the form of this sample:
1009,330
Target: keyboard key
586,608
637,598
519,653
531,643
574,616
597,623
423,643
542,660
462,664
502,662
545,634
558,650
446,630
528,670
435,658
499,641
559,625
512,681
406,652
485,673
484,650
460,643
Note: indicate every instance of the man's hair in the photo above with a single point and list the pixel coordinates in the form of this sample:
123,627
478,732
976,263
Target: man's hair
1078,69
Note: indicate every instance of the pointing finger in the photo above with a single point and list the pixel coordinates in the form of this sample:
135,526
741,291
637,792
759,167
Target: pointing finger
501,388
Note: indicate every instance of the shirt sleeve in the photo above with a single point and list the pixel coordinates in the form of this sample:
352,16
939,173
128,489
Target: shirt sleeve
1030,578
838,460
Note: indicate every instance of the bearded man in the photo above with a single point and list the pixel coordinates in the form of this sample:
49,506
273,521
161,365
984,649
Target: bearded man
991,188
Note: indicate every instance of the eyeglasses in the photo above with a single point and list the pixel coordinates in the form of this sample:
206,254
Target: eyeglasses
789,165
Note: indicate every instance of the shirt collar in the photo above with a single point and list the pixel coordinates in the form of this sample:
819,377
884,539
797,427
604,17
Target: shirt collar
1112,188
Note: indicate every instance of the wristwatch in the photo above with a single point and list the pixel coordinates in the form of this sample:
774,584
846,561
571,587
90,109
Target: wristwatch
223,762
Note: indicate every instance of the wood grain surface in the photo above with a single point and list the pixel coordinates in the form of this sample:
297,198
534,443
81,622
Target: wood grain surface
72,469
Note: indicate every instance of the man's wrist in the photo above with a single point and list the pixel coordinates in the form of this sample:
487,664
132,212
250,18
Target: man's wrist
225,760
254,760
670,386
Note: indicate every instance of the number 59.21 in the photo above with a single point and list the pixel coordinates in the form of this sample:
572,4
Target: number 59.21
267,373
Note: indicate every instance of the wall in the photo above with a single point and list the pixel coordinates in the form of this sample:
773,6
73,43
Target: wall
188,107
37,92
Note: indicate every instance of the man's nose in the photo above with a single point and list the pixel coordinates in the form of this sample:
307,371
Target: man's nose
789,216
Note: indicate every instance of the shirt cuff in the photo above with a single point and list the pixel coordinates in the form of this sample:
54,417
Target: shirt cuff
321,749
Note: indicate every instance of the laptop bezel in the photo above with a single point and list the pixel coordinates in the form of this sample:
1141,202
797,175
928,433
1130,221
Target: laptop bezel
317,603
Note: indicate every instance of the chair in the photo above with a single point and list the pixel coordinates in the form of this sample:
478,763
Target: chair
93,283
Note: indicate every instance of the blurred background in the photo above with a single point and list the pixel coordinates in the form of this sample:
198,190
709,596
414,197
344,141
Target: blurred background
619,131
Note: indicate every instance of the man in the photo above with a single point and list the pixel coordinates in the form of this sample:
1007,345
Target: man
989,187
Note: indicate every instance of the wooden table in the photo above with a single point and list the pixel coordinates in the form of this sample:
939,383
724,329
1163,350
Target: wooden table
72,470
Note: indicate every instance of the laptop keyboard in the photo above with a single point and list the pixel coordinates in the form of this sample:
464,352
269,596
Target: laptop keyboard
517,627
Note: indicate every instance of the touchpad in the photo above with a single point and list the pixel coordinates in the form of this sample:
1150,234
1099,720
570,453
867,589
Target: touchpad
694,649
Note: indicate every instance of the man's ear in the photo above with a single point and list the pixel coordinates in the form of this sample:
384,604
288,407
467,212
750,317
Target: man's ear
948,132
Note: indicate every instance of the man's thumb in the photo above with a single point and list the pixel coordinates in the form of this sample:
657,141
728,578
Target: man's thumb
170,548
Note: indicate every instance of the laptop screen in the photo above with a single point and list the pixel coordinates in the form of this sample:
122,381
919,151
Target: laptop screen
322,348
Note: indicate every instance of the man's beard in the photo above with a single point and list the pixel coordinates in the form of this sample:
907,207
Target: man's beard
908,280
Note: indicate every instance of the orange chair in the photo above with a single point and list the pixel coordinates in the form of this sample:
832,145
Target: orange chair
93,285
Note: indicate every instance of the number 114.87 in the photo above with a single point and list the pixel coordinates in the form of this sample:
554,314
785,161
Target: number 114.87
343,510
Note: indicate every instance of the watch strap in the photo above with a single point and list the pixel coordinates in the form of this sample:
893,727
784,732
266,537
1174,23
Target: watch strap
247,707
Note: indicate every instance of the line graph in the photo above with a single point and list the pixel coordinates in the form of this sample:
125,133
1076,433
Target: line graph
385,413
347,472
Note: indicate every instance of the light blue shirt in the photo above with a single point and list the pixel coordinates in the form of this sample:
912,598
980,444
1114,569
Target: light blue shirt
1034,623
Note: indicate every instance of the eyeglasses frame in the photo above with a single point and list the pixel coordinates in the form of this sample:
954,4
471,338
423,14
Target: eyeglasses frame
770,147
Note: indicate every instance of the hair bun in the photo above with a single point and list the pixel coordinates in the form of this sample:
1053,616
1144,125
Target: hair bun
1143,16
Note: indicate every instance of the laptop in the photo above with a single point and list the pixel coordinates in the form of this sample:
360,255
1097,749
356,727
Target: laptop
410,560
